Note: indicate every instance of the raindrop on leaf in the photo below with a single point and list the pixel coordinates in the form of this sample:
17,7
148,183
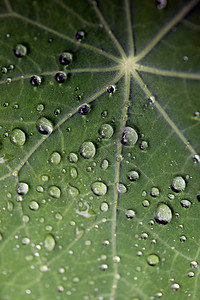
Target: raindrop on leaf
65,58
17,137
87,150
20,50
49,242
60,77
178,184
129,136
35,80
106,131
163,214
44,126
153,260
22,188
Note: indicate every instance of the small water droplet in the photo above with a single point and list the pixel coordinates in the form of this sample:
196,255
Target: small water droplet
65,58
60,77
145,203
17,137
144,236
54,191
80,35
22,188
104,164
191,274
144,145
171,196
153,259
40,107
33,205
129,136
58,216
4,70
44,178
161,4
25,218
133,175
155,192
55,158
84,109
73,191
44,126
178,184
163,214
116,259
106,131
60,289
87,150
73,172
193,264
20,50
44,268
175,287
104,206
49,242
35,80
99,188
130,214
121,188
10,206
110,89
186,203
183,239
25,241
196,159
103,267
73,157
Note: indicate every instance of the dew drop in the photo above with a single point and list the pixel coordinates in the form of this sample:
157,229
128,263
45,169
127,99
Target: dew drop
116,259
104,164
25,218
22,188
73,172
65,58
153,259
33,205
73,157
178,184
54,191
193,264
20,50
144,236
183,239
80,35
55,158
121,188
106,131
60,77
163,214
144,145
145,203
186,203
84,109
44,268
161,4
25,241
10,206
133,175
5,158
49,242
35,80
104,206
129,136
103,267
99,188
44,178
171,196
44,126
130,214
87,150
175,287
155,192
110,89
58,216
73,191
190,274
60,289
17,137
4,70
196,159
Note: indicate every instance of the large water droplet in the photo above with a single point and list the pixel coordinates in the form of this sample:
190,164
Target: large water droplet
44,126
17,137
55,158
49,242
186,203
129,136
65,58
87,150
106,131
163,214
153,260
35,80
20,50
22,188
60,77
54,191
178,184
130,214
99,188
121,188
133,175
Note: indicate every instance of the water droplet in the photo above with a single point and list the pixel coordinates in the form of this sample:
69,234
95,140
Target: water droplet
163,214
103,267
87,150
144,145
44,178
73,191
4,70
20,50
130,214
44,126
73,157
80,35
54,191
25,241
153,259
58,216
144,236
33,205
178,184
44,268
161,4
133,175
60,289
40,107
65,58
171,196
186,203
10,206
116,259
129,136
106,131
145,203
49,242
99,188
110,89
55,158
191,274
196,159
22,188
104,206
25,218
155,192
73,172
175,287
193,264
35,80
5,158
84,109
121,188
183,239
17,137
60,77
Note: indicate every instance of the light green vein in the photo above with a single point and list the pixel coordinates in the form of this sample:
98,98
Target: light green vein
63,120
65,37
174,21
117,178
108,30
164,114
129,25
167,73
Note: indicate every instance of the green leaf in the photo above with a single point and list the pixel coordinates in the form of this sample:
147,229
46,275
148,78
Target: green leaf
99,150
